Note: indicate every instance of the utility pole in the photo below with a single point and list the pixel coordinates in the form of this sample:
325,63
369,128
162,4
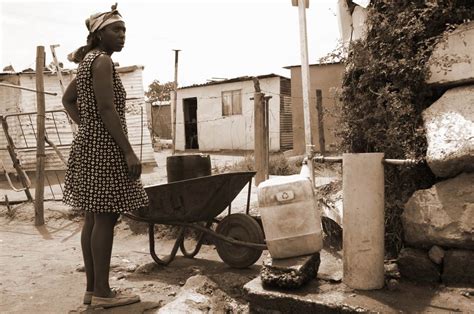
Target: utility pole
305,78
173,102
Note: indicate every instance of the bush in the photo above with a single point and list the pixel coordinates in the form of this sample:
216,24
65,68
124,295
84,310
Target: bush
278,165
384,93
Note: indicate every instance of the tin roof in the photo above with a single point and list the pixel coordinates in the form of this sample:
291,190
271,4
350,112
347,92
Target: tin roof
233,80
312,64
119,69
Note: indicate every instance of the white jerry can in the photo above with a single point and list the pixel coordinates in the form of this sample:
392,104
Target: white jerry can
291,220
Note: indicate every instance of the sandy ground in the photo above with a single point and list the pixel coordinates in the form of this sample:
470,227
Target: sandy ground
41,266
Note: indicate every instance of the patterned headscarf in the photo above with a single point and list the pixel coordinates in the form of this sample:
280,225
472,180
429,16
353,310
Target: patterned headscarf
100,20
95,23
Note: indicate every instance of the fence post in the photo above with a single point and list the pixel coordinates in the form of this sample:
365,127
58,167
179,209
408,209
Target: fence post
40,139
260,145
319,108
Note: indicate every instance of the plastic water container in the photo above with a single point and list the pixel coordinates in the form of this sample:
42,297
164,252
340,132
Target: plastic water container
290,217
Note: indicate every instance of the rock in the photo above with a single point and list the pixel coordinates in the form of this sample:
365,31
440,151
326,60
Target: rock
391,270
449,124
393,284
199,295
441,215
458,267
131,268
452,60
436,254
289,273
146,268
415,265
81,268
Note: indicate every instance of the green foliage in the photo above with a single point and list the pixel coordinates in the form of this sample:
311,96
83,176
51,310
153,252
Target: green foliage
159,92
384,92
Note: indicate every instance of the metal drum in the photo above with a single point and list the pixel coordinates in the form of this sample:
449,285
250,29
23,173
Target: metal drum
183,167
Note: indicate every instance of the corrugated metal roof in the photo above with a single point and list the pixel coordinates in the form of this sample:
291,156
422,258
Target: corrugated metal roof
119,69
312,64
233,80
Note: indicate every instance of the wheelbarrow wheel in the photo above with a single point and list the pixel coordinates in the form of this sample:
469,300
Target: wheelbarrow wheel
243,228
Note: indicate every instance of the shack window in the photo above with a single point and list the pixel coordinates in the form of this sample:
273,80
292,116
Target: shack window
231,102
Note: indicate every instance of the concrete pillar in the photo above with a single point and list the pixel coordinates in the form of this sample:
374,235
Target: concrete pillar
363,220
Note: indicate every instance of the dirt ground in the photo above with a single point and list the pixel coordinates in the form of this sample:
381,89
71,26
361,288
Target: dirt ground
42,270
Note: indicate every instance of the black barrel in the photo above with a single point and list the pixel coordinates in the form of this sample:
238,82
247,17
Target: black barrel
183,167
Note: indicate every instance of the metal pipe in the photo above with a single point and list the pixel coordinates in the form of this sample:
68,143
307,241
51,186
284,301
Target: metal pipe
387,161
28,89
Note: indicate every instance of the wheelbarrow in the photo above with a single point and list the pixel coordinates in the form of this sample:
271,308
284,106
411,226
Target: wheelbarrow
195,204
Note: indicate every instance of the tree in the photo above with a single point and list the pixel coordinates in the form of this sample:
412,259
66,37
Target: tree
159,92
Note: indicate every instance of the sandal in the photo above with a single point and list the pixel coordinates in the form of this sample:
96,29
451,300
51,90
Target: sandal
87,297
118,300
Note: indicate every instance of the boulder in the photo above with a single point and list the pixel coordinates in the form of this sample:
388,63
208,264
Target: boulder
441,215
458,267
449,124
415,265
452,60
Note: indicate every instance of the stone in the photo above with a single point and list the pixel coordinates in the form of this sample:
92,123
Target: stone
199,295
146,268
458,267
289,273
436,254
441,215
449,125
391,270
415,265
393,284
452,60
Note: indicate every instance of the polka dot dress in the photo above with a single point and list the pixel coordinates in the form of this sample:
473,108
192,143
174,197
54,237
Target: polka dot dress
97,174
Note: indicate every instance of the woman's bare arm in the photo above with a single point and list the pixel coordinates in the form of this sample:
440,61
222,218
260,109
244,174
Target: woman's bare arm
70,101
102,81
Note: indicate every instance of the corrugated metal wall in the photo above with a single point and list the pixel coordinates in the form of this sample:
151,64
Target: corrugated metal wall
59,130
286,123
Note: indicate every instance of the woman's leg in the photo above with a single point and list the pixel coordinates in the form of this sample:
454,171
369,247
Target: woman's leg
102,240
86,249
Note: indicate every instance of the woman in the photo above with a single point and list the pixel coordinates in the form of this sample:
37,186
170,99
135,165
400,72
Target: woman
103,172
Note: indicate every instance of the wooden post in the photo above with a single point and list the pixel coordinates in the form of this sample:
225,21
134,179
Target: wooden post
267,135
40,139
319,108
261,145
173,102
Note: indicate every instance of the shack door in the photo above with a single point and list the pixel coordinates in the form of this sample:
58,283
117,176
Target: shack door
190,123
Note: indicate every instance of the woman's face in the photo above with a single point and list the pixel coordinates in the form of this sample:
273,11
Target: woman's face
113,37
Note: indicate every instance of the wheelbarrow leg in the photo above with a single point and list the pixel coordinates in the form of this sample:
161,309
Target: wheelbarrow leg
167,259
196,249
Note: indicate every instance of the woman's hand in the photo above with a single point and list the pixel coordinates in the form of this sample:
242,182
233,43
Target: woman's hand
134,166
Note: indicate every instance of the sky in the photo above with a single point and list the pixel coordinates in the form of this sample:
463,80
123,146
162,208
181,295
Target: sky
217,38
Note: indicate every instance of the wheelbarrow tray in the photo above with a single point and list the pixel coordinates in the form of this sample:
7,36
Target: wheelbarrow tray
193,200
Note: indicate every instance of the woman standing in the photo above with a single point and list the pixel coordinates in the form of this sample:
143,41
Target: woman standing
103,172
